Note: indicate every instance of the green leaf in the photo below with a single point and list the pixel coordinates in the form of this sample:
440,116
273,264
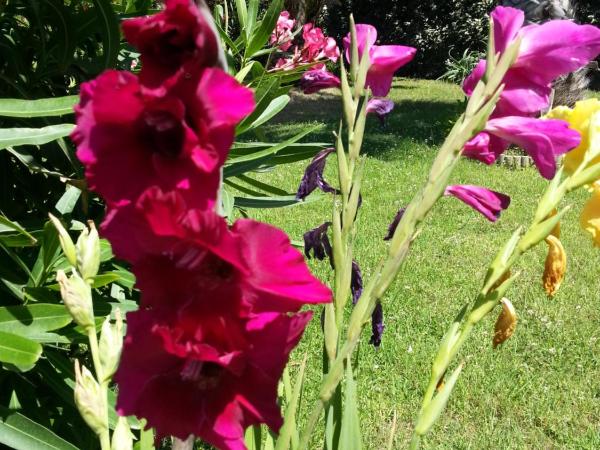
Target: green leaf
8,225
19,351
44,107
289,427
105,279
350,438
252,16
275,107
33,321
242,13
67,202
274,202
21,433
12,137
261,34
228,202
111,36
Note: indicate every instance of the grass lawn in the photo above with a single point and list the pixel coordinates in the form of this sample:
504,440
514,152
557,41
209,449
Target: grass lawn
541,390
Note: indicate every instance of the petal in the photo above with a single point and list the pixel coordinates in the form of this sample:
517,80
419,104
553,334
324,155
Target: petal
487,202
507,23
366,36
277,270
385,61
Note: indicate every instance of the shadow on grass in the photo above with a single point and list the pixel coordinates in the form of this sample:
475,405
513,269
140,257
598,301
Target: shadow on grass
412,122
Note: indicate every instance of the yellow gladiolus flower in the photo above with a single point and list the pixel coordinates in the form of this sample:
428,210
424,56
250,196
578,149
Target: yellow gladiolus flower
585,118
590,216
556,266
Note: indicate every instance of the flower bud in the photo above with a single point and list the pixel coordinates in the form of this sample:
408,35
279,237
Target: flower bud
122,438
555,267
65,241
77,297
88,252
506,323
111,342
89,400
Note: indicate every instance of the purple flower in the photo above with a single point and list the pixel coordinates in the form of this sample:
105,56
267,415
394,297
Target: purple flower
547,51
313,176
377,326
392,227
356,283
314,80
380,107
542,139
385,59
316,240
489,203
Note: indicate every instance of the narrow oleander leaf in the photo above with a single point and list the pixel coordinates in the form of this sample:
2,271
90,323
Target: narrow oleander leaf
7,225
13,137
44,107
21,433
33,321
19,351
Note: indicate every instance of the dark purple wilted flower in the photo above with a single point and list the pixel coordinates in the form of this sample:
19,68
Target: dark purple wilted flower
377,325
317,79
381,107
317,241
356,283
392,227
313,176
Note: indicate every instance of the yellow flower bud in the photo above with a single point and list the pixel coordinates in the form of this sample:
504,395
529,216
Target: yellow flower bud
556,266
122,438
506,323
590,216
88,252
65,241
77,297
89,400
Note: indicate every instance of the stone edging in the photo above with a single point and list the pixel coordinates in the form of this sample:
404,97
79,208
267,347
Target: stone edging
514,161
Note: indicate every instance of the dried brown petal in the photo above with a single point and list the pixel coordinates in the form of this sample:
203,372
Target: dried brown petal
506,323
556,266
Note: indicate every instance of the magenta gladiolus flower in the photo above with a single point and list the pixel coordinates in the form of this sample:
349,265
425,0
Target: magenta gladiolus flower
315,80
282,36
542,139
385,59
210,371
129,141
547,51
489,203
381,107
174,41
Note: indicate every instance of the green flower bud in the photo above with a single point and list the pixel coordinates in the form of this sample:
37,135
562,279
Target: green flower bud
111,343
65,241
77,297
88,253
122,438
89,400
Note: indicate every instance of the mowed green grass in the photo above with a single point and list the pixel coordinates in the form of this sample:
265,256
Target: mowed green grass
541,389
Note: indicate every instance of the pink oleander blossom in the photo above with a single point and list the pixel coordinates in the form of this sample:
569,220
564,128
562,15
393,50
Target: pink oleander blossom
175,41
208,372
129,140
317,47
542,139
547,51
381,107
315,80
282,35
489,203
385,59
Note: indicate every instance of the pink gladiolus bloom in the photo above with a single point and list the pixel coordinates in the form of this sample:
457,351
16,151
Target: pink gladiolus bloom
542,139
489,203
381,107
282,35
547,51
385,59
181,255
209,371
129,141
314,80
177,40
